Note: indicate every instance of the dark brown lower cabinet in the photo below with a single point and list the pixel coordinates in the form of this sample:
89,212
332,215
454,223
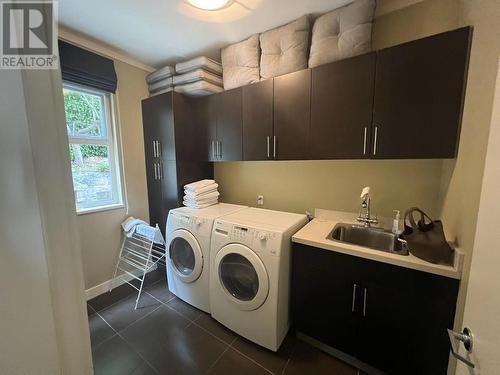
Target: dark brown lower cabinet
391,318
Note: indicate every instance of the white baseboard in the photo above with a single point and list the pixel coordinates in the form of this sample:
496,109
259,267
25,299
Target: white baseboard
104,287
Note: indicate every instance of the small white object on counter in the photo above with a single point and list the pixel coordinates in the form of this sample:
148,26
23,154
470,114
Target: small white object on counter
315,234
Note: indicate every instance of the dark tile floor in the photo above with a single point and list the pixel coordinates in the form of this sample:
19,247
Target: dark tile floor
167,336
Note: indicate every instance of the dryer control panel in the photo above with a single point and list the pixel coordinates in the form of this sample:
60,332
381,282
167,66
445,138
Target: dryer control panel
192,223
259,240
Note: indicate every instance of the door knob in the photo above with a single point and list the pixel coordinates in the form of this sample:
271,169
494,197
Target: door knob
467,339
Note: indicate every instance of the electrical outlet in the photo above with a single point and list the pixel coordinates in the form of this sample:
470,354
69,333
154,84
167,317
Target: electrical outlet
260,200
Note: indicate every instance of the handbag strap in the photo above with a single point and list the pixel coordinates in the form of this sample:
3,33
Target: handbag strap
411,219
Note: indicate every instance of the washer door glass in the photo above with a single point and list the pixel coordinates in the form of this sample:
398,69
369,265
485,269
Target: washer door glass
242,276
239,277
182,256
185,256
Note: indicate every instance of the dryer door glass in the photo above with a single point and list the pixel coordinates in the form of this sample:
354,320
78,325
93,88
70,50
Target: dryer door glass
182,256
239,277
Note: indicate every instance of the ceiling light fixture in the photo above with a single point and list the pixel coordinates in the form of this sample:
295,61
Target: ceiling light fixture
210,4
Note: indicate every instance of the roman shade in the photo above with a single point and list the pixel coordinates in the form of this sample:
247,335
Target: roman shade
86,68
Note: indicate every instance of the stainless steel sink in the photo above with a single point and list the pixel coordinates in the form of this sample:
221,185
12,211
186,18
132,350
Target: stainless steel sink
372,237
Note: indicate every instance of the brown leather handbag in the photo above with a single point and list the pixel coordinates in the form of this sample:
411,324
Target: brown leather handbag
426,239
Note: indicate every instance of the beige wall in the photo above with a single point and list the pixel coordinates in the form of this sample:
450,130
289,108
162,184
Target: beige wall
462,178
397,184
100,233
304,185
415,21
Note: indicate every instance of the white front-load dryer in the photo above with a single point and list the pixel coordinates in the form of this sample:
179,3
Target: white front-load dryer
188,236
250,271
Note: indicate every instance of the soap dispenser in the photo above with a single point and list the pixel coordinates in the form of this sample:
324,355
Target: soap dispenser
396,228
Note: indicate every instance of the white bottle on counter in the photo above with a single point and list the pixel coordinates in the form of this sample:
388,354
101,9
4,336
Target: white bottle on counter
396,228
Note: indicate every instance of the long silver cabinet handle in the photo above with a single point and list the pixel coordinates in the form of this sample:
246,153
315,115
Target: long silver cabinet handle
155,172
375,141
364,303
160,172
154,149
158,149
220,149
274,147
213,149
364,141
354,288
268,147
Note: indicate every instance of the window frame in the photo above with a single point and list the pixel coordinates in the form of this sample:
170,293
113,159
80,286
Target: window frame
111,141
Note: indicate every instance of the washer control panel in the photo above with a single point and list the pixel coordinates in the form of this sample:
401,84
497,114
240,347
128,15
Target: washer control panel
242,234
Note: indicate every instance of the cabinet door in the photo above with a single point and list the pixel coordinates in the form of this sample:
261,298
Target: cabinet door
258,120
405,315
229,121
341,109
325,296
206,108
386,330
419,92
292,109
151,118
435,299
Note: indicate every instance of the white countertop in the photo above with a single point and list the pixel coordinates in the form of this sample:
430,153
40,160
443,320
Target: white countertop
315,233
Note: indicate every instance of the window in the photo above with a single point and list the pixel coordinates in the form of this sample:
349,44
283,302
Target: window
92,147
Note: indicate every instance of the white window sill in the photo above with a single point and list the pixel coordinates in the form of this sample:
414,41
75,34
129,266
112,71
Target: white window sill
94,210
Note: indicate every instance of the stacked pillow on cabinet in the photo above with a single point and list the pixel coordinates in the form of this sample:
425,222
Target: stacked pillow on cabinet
160,81
197,77
339,34
201,194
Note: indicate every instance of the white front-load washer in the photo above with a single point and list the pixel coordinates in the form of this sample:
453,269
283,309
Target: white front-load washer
250,273
187,247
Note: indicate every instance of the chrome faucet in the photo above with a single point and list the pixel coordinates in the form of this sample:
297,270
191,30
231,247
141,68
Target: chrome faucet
366,218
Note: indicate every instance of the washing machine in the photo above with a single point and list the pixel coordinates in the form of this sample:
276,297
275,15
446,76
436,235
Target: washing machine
250,258
187,247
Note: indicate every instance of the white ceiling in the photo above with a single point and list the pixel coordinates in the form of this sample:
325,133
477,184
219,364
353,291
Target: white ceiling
159,32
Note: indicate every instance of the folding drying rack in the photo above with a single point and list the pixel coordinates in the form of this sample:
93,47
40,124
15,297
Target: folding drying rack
138,255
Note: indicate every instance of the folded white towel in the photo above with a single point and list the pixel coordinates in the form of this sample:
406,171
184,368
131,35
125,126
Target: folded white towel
203,205
160,74
195,186
203,190
191,195
202,198
130,224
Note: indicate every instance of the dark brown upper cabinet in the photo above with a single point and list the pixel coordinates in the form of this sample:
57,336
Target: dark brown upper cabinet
229,125
172,152
292,111
341,109
258,116
219,117
206,115
419,94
